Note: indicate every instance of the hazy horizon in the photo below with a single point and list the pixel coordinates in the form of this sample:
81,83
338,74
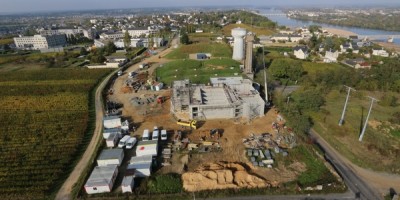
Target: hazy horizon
26,6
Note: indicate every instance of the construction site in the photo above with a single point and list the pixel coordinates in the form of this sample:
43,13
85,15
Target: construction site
219,135
223,98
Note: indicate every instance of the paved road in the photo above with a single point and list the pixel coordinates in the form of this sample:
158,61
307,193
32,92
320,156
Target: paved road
357,185
66,188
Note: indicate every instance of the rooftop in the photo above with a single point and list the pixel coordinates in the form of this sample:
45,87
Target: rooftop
101,175
110,154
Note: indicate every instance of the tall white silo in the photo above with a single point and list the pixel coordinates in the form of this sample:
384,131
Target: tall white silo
238,43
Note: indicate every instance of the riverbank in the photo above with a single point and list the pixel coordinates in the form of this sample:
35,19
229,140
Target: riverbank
389,46
339,32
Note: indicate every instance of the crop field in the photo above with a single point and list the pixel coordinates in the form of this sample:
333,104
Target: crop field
216,50
381,143
197,71
44,122
257,30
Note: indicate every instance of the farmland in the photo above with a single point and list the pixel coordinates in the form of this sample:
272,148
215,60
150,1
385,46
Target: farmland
217,50
44,126
197,71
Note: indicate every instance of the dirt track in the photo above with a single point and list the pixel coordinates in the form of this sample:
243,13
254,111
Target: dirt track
66,188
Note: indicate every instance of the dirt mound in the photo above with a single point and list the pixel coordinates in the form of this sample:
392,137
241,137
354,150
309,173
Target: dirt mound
221,175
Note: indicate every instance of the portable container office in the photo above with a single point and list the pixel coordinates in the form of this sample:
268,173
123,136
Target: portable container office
112,122
142,165
112,140
108,132
127,184
102,179
147,148
110,157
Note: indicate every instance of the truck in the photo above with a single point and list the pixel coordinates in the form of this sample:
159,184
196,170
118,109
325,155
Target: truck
191,123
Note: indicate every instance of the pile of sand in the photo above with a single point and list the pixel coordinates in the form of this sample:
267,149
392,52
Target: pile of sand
221,175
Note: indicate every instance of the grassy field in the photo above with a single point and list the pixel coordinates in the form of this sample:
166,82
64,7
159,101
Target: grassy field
44,126
226,30
313,68
216,50
197,71
380,145
6,41
202,37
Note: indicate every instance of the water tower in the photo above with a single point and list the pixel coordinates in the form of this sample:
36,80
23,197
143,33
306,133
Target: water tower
238,43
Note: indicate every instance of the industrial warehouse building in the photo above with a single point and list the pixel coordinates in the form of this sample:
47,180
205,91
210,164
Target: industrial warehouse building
227,97
102,179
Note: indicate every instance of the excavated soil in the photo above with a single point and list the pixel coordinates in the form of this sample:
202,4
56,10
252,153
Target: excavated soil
222,175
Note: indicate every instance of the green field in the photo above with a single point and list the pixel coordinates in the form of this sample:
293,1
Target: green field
44,126
197,71
380,145
216,50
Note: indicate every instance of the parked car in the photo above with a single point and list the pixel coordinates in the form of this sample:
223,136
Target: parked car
123,141
163,134
130,143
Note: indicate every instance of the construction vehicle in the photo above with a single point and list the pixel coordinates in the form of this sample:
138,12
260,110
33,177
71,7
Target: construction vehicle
191,124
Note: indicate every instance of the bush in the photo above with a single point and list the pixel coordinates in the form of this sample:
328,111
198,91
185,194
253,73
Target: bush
166,183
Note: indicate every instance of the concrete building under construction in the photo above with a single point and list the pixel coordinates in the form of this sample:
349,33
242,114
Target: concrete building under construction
224,98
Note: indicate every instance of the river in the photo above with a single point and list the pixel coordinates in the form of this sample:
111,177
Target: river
284,20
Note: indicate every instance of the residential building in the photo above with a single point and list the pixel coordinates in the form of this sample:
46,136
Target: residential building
40,41
380,52
280,37
91,33
301,52
331,56
295,38
67,32
112,35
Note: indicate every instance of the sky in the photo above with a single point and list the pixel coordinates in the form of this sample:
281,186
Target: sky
18,6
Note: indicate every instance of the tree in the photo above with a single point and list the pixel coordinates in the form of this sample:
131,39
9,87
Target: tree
286,68
110,48
314,28
310,100
184,38
83,51
127,40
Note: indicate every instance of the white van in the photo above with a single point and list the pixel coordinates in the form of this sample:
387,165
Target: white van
155,133
130,143
123,141
146,135
163,134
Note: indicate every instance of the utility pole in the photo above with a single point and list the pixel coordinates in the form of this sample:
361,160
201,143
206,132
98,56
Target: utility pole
345,104
265,81
366,120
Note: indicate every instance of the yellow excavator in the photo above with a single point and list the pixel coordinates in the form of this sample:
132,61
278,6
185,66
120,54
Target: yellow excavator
191,123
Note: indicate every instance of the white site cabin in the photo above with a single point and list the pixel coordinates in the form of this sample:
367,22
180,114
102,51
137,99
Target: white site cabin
110,157
142,165
147,148
102,179
128,184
